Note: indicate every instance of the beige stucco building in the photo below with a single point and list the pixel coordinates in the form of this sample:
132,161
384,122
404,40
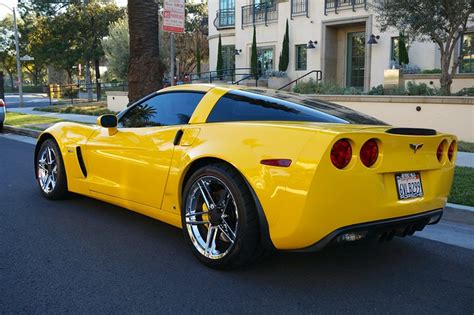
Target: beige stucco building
340,31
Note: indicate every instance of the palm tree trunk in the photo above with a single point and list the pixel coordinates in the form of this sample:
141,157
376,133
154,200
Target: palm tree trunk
145,71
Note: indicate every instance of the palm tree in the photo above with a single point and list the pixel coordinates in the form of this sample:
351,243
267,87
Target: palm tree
145,71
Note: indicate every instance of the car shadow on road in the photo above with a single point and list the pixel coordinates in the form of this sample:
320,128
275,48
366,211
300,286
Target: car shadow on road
360,259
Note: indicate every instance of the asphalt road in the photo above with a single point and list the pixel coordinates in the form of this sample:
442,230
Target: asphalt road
85,256
29,100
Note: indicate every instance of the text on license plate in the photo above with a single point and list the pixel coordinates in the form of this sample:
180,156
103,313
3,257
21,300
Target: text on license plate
409,185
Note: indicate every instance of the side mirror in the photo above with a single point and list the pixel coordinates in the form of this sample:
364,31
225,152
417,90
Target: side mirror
110,122
107,121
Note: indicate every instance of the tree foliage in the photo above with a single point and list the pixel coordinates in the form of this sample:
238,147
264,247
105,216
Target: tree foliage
440,21
402,50
7,47
117,49
285,53
220,59
73,36
253,56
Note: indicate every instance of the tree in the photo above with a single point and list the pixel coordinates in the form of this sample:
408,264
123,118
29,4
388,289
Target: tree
117,48
220,59
285,53
402,50
145,72
7,47
198,59
253,56
440,21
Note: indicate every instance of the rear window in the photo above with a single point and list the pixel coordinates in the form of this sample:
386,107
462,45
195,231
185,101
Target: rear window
259,106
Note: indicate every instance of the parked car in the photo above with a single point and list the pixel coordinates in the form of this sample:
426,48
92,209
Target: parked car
2,113
243,171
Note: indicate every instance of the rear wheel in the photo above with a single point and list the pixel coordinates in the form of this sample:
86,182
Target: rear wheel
50,171
219,218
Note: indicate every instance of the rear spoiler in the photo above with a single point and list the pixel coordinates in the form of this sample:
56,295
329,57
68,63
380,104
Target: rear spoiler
412,131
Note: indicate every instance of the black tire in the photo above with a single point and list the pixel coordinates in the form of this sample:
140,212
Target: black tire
1,126
246,245
60,190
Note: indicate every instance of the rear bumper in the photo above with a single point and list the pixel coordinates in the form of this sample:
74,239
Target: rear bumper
382,229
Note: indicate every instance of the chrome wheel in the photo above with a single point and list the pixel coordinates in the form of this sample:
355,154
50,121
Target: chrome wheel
211,217
47,169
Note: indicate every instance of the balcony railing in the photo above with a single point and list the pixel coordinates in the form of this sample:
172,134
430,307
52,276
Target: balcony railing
299,7
259,13
225,19
335,5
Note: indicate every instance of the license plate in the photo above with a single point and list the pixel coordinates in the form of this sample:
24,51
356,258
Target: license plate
409,185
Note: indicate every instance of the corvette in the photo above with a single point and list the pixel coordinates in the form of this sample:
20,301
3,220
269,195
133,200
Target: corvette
243,171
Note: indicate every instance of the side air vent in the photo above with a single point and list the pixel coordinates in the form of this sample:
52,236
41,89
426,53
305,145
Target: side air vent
81,161
412,131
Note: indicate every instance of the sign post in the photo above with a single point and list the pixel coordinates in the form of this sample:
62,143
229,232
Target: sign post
173,22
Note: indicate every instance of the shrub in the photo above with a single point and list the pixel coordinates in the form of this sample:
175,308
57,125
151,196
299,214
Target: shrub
274,73
313,87
377,90
465,92
431,71
414,88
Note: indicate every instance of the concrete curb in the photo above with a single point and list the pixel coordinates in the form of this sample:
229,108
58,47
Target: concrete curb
22,131
458,215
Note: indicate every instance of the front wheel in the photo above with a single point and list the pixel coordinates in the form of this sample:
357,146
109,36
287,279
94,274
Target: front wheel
50,171
219,218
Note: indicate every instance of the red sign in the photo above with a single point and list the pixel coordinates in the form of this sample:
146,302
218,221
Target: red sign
173,16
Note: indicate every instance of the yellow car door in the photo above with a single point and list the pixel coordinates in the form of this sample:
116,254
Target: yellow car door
133,163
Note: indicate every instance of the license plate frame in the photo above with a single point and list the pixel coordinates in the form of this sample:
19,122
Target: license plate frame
409,185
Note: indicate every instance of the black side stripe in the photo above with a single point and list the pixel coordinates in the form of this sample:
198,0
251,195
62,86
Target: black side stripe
177,138
81,161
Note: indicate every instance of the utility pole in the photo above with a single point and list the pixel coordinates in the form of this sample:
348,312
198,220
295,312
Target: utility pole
172,57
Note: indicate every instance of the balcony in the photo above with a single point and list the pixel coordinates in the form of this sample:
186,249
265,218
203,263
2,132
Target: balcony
262,13
299,7
335,5
225,19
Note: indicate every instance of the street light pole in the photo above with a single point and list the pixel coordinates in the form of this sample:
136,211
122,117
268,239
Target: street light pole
18,62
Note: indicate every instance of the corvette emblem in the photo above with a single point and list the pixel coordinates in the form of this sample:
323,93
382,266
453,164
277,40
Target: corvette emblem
416,146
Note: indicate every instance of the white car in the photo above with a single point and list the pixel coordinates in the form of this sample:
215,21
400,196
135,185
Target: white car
2,113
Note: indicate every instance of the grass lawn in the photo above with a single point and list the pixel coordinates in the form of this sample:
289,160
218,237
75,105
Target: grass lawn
93,109
17,119
463,187
466,146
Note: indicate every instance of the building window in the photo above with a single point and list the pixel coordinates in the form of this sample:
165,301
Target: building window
264,60
467,50
299,7
395,50
301,57
226,4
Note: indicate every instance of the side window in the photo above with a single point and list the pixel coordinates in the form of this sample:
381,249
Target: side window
244,106
165,109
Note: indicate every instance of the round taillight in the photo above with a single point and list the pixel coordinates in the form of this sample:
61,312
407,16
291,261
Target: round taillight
452,148
341,153
369,153
440,151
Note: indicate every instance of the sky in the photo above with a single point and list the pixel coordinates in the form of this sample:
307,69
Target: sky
13,3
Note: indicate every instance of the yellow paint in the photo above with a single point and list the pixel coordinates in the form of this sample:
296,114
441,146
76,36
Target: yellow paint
140,169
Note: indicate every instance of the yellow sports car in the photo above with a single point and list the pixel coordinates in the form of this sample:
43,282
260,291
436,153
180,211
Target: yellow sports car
243,171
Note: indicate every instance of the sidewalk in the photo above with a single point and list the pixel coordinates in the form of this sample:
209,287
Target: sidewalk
71,117
465,159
